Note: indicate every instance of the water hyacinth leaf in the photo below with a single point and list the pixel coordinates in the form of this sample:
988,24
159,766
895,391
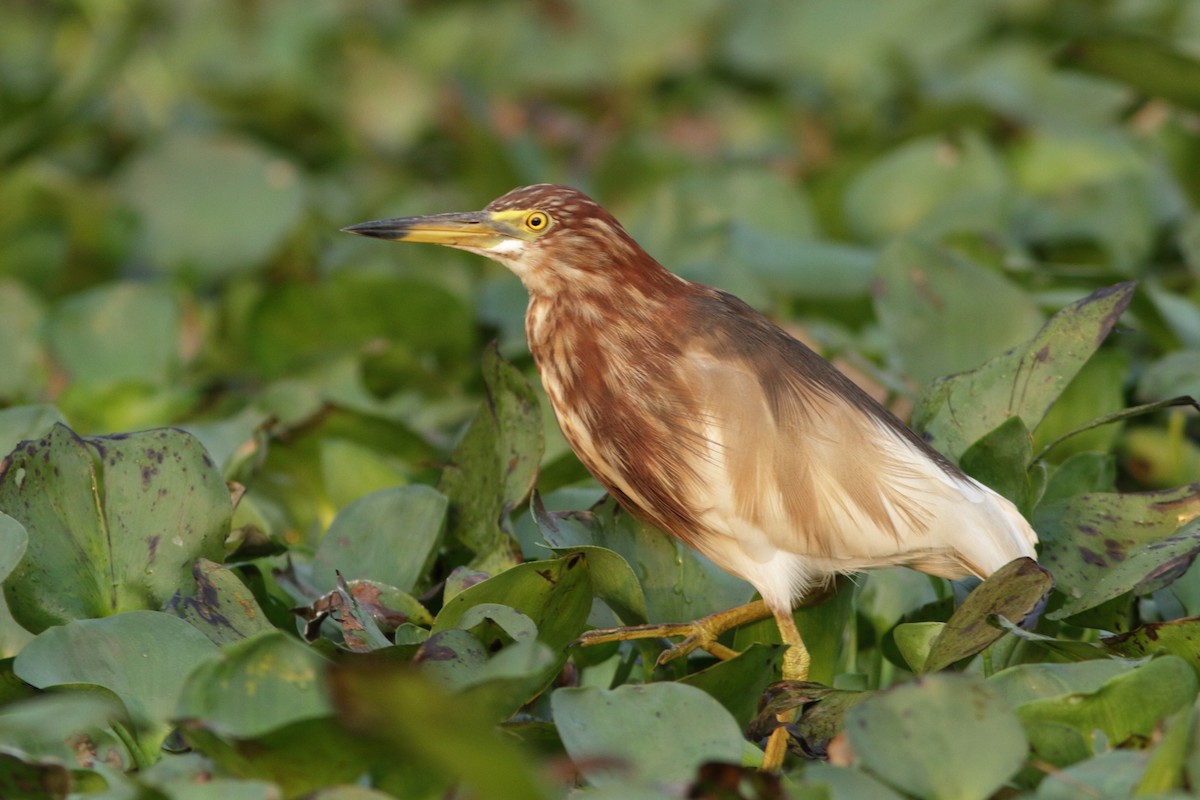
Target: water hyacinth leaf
222,607
1180,637
678,584
556,595
658,733
299,757
26,422
1132,703
613,579
495,684
841,782
13,541
120,518
23,371
251,196
1099,546
494,466
1111,774
1165,770
914,640
442,736
257,685
387,536
143,657
119,332
924,290
1025,683
943,737
1001,460
234,441
1014,591
75,727
933,185
1148,65
738,683
32,779
421,329
958,410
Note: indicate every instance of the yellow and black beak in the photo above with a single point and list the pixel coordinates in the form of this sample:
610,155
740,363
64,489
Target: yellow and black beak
476,230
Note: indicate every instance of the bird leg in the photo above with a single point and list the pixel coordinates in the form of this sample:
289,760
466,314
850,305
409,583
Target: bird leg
795,668
701,633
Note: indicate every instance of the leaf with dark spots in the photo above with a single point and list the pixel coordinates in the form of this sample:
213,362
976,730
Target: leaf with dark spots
222,607
494,466
92,522
1180,637
959,410
1015,591
1147,541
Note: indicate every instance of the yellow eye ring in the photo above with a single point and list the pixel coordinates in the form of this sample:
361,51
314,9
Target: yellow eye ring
537,221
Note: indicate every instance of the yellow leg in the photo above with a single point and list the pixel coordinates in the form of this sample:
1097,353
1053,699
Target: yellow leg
701,633
795,668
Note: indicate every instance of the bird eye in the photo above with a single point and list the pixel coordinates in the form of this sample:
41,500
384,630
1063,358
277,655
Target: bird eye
537,221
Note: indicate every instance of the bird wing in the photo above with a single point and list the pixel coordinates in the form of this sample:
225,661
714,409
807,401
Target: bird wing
805,474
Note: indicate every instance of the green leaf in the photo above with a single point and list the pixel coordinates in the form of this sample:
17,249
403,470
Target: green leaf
933,185
1149,65
660,732
299,757
915,640
222,607
23,370
678,584
143,657
31,779
1025,683
252,197
1001,460
1165,770
442,737
958,410
612,578
1111,774
13,542
1099,546
387,536
420,329
72,726
26,422
119,332
257,685
924,290
497,684
120,519
942,737
1129,704
1180,637
1013,592
494,466
556,595
739,682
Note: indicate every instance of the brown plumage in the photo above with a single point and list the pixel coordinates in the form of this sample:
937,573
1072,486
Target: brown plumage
704,418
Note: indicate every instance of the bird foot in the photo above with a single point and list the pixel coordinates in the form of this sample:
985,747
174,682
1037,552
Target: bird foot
699,634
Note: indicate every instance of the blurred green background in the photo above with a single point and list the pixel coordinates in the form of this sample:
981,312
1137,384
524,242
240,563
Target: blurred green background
911,186
173,178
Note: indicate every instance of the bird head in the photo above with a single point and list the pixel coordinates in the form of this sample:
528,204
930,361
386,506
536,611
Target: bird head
548,235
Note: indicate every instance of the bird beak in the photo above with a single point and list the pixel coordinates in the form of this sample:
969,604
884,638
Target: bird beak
477,230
